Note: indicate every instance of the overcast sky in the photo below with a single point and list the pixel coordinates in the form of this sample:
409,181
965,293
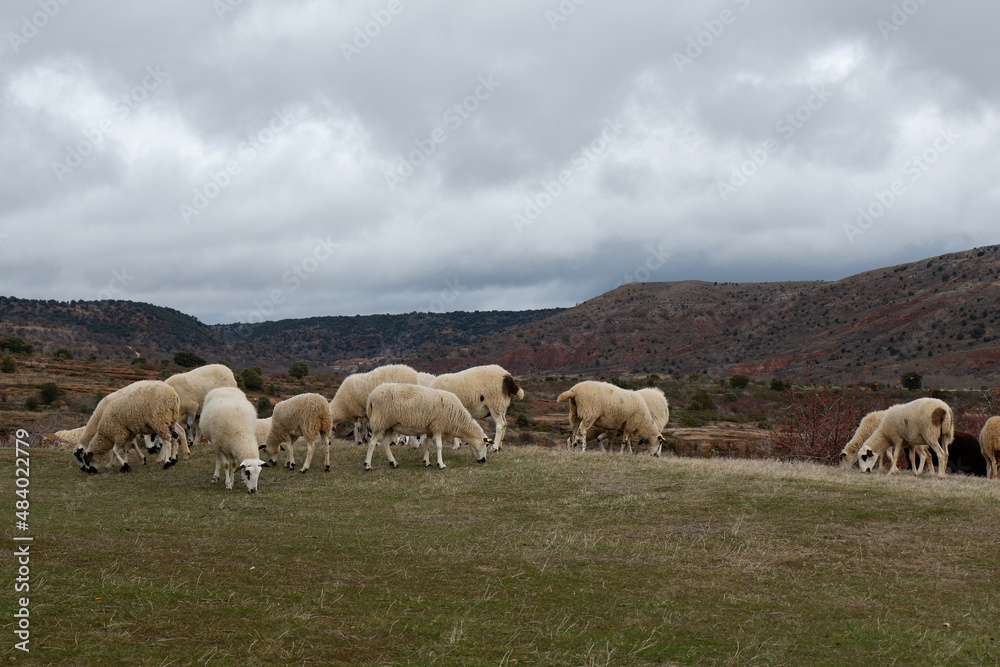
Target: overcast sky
249,160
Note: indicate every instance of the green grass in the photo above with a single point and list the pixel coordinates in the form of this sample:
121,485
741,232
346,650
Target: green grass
538,557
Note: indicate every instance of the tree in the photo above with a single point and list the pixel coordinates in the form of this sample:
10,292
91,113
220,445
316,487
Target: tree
253,378
16,345
63,353
298,370
7,365
701,400
739,381
912,380
263,407
48,393
779,385
31,403
188,360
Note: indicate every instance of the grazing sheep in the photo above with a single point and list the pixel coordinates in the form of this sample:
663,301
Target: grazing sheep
989,442
849,455
410,409
965,456
72,436
610,408
925,422
148,406
306,416
228,423
349,402
485,391
659,410
191,388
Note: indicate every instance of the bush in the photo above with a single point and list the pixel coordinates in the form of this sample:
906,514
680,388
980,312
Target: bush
139,361
298,370
816,426
272,389
624,384
48,393
912,380
263,407
701,401
779,385
16,345
252,378
739,381
7,365
31,403
63,353
522,421
188,360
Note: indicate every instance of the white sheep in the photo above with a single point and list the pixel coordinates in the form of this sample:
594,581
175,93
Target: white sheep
306,416
849,455
192,386
610,408
924,422
989,443
411,409
263,427
659,410
425,379
349,402
228,423
485,391
148,406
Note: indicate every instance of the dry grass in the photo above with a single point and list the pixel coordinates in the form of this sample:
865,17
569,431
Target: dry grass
537,557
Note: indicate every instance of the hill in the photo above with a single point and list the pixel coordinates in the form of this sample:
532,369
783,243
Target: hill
938,317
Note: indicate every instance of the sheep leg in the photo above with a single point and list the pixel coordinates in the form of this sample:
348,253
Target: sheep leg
942,454
290,453
326,439
310,446
388,451
427,451
138,450
218,467
229,474
895,455
500,419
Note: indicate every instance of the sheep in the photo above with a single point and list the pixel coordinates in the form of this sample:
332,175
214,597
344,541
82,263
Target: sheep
191,388
72,436
168,456
989,442
611,408
485,391
849,455
306,416
425,379
348,403
411,409
263,427
147,406
924,422
228,422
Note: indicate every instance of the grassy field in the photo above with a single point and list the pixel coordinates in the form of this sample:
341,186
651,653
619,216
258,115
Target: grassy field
538,557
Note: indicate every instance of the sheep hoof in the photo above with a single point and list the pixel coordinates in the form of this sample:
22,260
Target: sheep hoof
215,480
393,464
482,460
126,468
304,470
79,454
327,469
427,464
368,468
442,467
166,466
91,470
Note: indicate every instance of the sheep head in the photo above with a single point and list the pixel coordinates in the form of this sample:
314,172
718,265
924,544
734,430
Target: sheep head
249,470
867,458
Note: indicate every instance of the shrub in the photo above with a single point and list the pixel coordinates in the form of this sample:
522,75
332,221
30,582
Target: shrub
912,380
188,360
16,345
739,381
7,365
298,370
253,378
272,389
816,426
48,393
63,353
701,401
522,421
779,385
139,361
263,407
31,403
624,384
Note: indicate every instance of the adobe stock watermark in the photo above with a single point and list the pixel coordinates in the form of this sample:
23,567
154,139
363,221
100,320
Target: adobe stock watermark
900,16
293,279
562,12
31,26
246,152
914,169
123,106
655,260
454,117
223,7
786,127
703,40
119,281
582,159
365,33
449,295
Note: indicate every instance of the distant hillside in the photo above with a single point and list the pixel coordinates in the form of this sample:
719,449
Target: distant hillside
939,317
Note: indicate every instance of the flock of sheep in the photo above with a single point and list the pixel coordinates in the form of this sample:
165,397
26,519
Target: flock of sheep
397,402
921,427
383,404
